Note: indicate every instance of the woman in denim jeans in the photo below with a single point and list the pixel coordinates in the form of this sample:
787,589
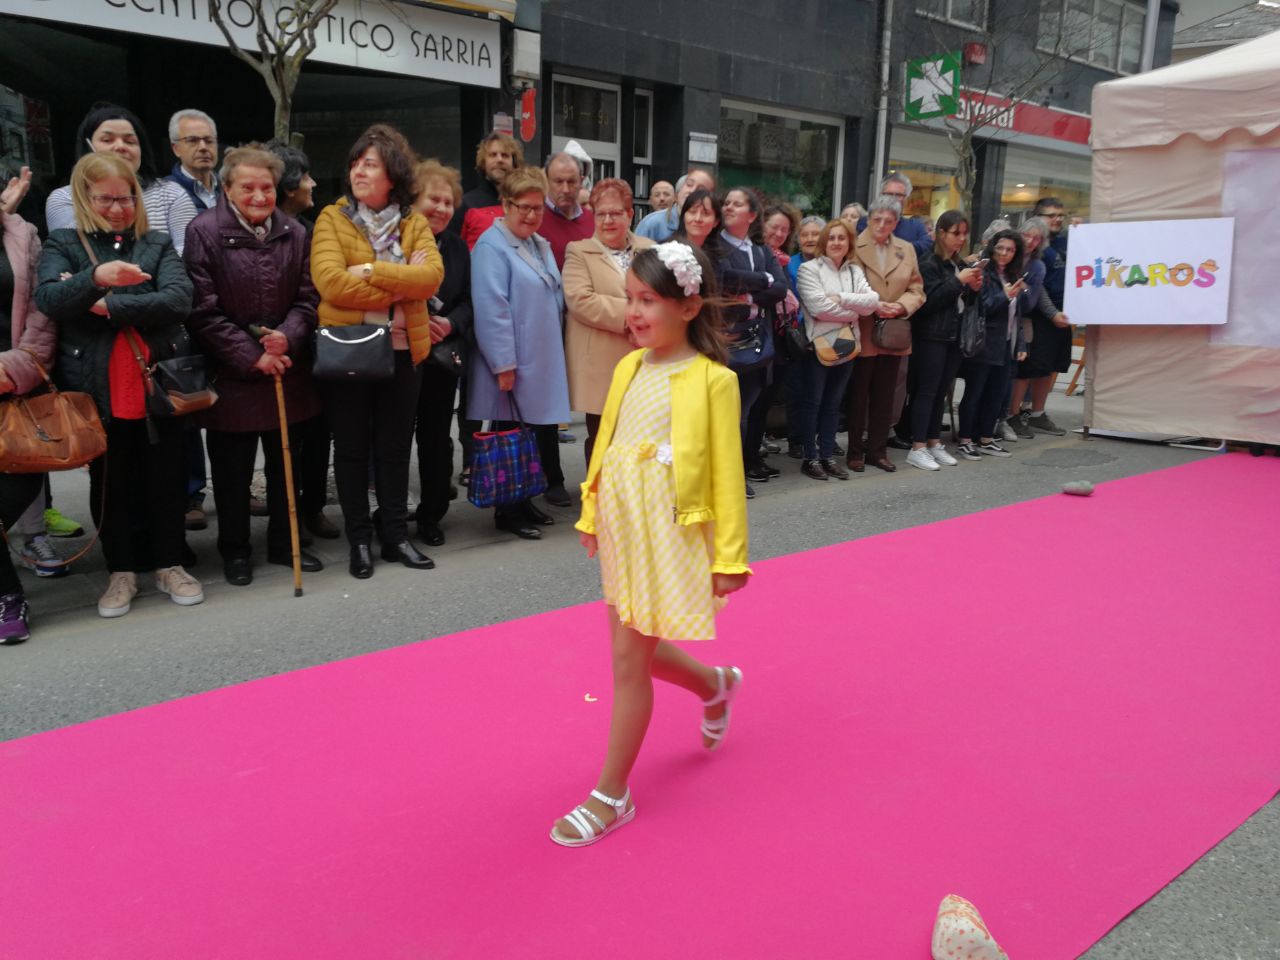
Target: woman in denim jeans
833,291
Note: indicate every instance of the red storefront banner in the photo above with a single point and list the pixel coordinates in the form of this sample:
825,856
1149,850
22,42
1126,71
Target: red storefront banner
1022,117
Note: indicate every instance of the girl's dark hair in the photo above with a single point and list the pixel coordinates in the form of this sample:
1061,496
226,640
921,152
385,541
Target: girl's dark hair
1014,269
97,116
296,164
755,233
706,330
397,156
711,246
948,221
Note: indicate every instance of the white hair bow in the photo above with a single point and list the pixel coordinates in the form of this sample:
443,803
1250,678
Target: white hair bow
679,259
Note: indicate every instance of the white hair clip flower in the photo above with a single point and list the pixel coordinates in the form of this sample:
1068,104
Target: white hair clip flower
679,259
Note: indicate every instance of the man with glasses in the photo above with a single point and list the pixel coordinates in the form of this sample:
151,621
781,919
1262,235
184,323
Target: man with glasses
1055,254
194,138
565,219
897,186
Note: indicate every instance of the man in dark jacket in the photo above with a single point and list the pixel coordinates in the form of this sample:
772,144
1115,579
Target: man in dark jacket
194,138
1055,255
496,156
898,187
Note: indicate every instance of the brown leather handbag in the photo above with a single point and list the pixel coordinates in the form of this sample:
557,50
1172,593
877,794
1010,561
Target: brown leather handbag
49,431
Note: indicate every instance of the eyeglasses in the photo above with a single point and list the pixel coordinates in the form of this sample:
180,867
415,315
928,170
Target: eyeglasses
106,201
611,214
895,196
524,209
1055,216
197,141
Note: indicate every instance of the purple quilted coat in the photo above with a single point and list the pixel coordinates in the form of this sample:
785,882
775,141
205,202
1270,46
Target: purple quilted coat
240,280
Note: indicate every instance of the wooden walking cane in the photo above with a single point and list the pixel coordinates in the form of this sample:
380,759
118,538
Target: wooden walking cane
259,332
288,489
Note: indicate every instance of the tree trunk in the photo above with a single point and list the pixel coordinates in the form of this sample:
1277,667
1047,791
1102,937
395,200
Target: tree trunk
284,107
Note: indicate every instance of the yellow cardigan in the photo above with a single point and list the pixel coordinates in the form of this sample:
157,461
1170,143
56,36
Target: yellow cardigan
706,454
337,243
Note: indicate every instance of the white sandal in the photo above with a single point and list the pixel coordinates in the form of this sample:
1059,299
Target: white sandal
582,819
717,730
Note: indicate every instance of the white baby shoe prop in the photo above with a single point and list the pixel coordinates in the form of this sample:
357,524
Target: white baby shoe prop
960,934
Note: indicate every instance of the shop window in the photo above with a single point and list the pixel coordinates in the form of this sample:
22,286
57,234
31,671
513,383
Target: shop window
968,13
586,111
790,156
1031,175
1102,33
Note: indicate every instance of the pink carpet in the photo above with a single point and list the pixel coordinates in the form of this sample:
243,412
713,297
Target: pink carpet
1055,762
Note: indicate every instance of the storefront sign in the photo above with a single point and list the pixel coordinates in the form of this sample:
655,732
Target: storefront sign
1019,116
367,34
1163,272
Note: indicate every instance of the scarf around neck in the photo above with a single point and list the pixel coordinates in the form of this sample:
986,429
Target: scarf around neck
382,229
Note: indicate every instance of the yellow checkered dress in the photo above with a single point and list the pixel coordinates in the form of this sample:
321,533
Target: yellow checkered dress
656,573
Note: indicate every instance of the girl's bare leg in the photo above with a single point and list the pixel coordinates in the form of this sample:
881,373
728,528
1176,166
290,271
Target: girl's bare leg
633,655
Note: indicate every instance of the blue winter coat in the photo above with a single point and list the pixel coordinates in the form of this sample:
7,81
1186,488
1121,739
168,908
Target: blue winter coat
517,324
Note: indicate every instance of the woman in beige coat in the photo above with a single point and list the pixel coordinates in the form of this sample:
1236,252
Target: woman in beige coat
890,267
595,272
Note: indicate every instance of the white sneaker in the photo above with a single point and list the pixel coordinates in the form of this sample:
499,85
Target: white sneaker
118,600
922,459
181,586
1007,433
940,455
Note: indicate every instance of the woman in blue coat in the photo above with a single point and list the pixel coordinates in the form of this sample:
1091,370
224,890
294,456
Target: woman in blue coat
517,305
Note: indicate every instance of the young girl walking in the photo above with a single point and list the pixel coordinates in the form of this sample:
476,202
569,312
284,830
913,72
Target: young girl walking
664,504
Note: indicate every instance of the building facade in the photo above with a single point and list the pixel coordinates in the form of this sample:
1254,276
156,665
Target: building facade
783,94
1027,69
764,92
422,68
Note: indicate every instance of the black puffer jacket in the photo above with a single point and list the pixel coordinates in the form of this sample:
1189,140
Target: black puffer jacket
939,318
156,308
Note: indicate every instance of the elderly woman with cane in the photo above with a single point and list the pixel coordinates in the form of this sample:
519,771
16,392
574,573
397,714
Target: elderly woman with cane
254,315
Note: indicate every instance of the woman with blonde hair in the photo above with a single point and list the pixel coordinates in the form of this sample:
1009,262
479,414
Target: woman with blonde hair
595,271
834,292
119,294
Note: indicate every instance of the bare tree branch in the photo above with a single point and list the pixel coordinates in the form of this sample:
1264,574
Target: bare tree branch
284,41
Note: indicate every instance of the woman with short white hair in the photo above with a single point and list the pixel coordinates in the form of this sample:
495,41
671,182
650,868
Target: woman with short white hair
1048,342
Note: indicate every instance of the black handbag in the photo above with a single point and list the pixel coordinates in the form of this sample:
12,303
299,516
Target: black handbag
750,345
360,353
973,331
450,355
174,387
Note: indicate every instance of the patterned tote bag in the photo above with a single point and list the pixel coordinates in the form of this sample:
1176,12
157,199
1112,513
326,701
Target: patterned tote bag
505,467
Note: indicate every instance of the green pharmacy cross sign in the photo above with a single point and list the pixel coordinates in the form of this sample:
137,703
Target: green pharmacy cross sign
933,86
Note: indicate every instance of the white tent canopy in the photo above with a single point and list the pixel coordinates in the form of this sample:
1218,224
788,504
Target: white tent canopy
1176,143
1234,89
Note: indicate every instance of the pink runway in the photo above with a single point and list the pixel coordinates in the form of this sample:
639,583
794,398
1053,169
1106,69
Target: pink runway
1055,763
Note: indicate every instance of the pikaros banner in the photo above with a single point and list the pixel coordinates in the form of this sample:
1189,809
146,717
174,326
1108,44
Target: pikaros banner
1159,272
370,34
